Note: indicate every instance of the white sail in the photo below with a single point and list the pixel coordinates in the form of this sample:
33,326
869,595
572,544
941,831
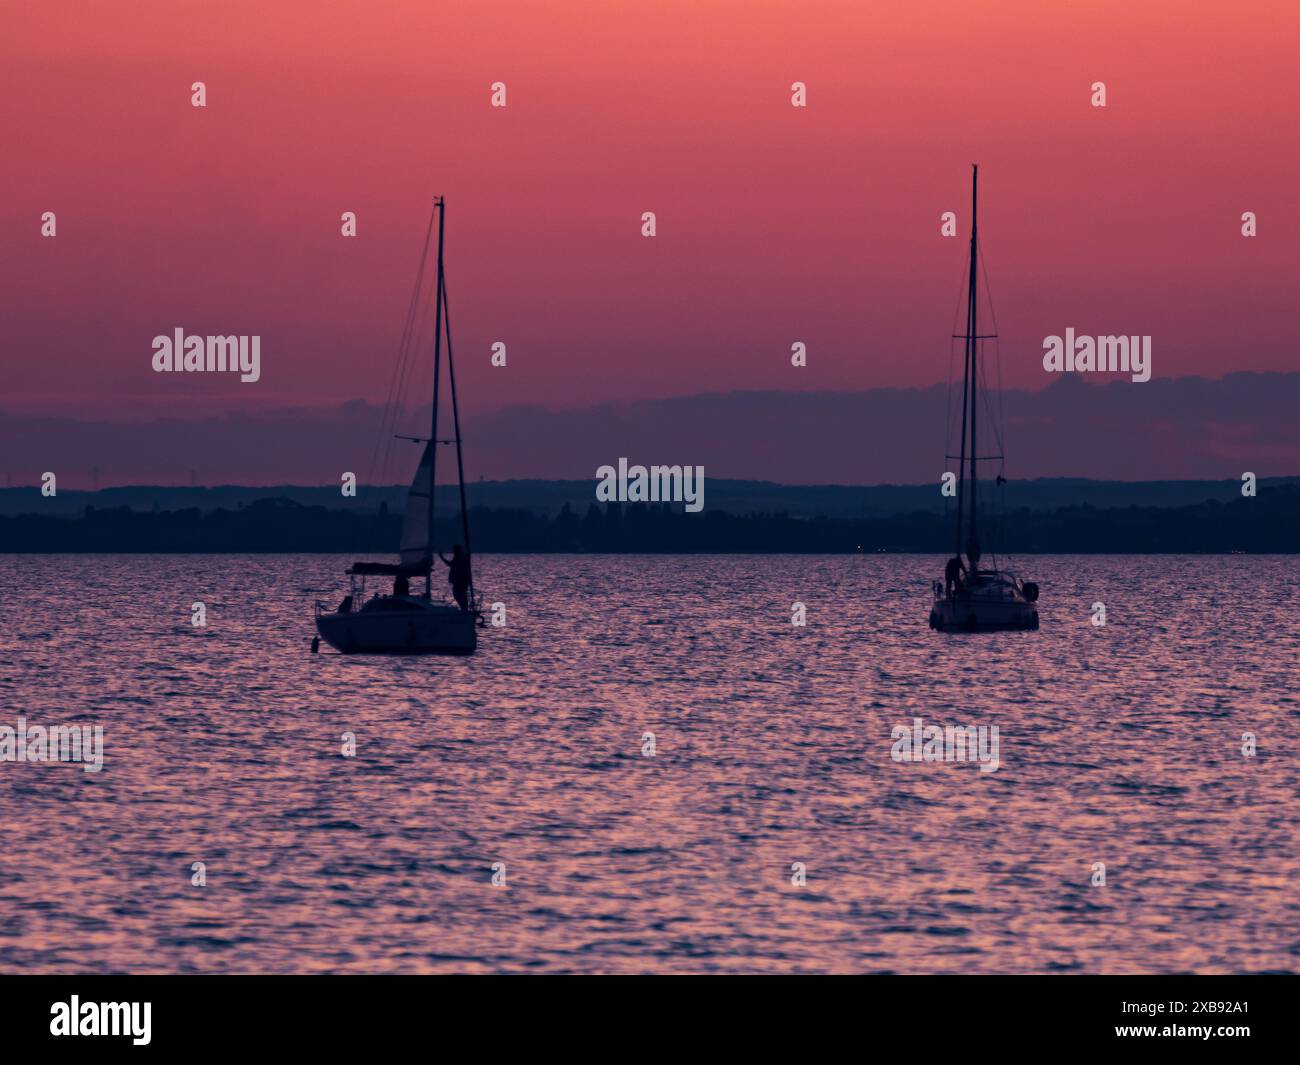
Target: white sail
415,526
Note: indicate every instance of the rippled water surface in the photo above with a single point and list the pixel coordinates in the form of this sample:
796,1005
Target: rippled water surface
1118,744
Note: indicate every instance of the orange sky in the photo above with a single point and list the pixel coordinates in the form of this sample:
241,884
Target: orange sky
776,224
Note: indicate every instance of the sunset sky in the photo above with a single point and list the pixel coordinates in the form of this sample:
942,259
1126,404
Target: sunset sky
775,224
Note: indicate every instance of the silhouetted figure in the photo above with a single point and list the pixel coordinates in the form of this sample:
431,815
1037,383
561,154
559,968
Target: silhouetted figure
458,575
952,574
973,553
401,586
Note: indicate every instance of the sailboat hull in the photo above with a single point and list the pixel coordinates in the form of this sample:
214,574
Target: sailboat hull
400,626
970,615
994,602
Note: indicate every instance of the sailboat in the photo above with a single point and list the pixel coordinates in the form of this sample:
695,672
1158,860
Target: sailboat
403,622
974,596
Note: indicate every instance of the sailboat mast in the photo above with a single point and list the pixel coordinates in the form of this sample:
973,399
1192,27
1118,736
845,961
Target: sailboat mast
437,374
972,347
961,451
460,461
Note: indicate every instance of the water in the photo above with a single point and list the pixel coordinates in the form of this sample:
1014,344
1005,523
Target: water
1119,745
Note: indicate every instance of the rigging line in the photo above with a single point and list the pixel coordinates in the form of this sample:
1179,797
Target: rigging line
403,349
392,414
1000,421
995,354
952,350
392,419
392,409
415,341
998,512
988,404
948,418
376,472
991,504
414,344
455,418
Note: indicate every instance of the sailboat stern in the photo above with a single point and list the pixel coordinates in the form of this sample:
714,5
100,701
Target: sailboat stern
995,602
400,625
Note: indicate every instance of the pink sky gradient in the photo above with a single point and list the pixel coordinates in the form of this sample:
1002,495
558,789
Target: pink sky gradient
775,224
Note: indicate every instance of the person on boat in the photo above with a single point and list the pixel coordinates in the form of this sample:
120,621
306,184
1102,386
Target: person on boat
952,574
973,553
458,575
401,586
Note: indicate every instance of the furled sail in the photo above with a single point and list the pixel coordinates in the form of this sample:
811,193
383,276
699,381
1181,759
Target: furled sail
415,526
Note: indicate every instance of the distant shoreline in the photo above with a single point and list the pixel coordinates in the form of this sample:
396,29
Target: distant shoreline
735,496
1268,523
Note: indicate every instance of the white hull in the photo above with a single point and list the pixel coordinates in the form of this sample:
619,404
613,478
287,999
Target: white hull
401,625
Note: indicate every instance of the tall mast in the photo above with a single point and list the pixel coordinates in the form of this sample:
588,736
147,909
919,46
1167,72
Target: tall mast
460,462
972,343
437,373
961,456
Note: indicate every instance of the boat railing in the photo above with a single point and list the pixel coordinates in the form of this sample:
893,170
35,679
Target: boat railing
344,607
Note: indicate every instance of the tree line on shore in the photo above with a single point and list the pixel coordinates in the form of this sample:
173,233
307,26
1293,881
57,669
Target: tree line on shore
1266,523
